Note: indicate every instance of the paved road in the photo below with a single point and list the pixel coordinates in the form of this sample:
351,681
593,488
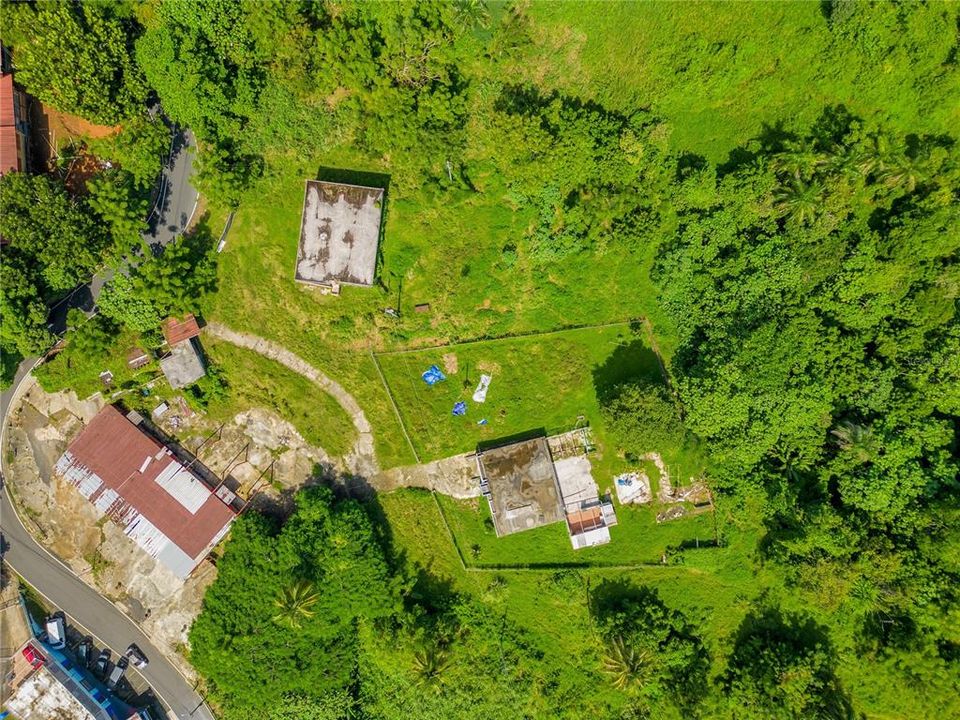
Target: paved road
177,199
174,208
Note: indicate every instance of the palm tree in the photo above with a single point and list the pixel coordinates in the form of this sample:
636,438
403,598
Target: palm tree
798,200
295,603
905,172
472,13
429,663
798,159
857,439
627,667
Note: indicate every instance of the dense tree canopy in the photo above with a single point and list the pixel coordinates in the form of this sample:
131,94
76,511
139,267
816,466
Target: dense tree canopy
77,57
248,649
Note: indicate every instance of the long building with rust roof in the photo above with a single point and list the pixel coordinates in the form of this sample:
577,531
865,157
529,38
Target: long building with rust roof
138,483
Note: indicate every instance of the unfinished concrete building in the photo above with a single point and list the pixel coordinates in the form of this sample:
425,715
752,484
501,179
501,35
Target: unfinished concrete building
339,234
540,481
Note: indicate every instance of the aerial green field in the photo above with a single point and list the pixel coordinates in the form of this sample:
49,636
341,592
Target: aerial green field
720,75
255,382
637,539
724,233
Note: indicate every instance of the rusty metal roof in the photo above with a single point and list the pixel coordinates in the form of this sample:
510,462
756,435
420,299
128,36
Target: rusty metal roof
175,331
140,484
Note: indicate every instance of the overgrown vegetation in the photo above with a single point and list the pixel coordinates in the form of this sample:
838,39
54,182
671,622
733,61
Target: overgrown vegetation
776,192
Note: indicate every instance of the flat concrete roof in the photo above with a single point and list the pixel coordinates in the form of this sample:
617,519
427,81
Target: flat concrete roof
42,698
184,365
524,493
339,233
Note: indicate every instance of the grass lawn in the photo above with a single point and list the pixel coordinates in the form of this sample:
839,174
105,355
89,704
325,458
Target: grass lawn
80,369
442,248
541,382
637,539
256,382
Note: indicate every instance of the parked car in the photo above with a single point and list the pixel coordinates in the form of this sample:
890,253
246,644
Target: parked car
136,656
100,666
56,632
117,672
84,652
33,656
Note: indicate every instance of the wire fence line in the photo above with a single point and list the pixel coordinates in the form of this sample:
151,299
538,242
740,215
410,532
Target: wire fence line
393,403
510,336
545,566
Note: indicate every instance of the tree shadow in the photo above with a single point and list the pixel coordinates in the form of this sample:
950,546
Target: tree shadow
528,101
771,645
894,629
630,362
619,597
690,163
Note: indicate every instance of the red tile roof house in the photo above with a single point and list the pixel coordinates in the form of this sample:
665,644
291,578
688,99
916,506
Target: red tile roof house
138,483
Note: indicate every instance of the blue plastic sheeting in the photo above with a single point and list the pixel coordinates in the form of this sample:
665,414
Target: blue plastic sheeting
482,422
433,375
460,408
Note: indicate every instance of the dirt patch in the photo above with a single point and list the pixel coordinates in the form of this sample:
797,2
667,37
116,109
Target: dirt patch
81,168
450,364
453,476
491,368
52,130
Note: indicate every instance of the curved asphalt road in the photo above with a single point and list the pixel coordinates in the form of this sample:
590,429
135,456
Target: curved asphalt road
173,211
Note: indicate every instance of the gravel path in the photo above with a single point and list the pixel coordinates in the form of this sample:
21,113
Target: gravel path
361,460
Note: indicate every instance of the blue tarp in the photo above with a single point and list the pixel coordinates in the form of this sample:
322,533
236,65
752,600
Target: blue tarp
433,375
460,408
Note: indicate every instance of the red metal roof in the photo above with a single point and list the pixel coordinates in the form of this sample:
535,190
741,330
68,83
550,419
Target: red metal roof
175,331
8,129
116,450
6,100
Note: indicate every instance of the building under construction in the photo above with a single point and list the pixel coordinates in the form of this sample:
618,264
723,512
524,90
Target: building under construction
539,481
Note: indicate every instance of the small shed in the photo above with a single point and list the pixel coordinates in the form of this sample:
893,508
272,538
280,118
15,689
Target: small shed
184,365
137,358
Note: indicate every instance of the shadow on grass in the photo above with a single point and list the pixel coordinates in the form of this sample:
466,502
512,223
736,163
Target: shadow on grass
523,436
626,364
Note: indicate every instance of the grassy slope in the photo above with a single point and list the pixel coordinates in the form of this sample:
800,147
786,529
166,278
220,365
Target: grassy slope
552,605
443,250
256,382
719,74
538,382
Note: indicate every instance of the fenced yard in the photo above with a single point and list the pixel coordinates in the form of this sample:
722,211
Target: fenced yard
544,382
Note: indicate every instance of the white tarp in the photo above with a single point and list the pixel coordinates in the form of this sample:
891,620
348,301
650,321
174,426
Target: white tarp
480,394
